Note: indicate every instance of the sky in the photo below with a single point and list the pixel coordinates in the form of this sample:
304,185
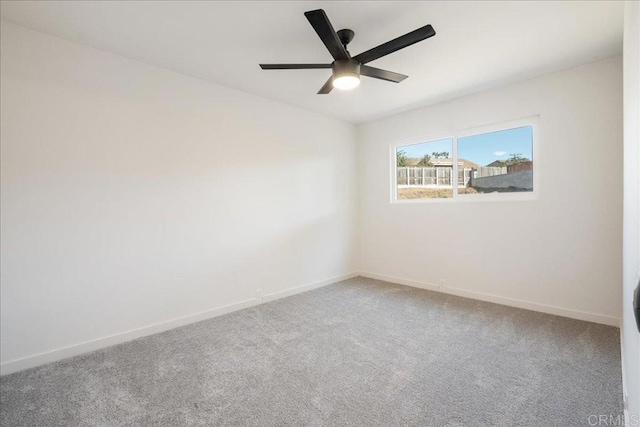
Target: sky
481,149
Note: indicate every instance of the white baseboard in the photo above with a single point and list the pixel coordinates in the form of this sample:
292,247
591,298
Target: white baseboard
88,346
287,293
625,396
558,311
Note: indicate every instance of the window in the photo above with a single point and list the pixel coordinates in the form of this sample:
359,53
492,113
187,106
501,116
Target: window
490,163
424,170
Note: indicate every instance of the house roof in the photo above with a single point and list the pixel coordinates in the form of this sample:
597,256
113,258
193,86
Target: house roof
495,164
500,163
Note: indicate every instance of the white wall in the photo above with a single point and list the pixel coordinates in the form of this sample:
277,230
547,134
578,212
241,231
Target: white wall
631,230
560,253
132,195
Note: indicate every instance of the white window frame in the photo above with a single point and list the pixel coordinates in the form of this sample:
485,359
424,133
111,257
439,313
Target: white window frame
532,121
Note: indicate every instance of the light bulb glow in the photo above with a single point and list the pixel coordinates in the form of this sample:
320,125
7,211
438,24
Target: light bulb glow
346,81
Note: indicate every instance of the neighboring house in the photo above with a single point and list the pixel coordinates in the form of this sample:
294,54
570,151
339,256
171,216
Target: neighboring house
496,164
526,165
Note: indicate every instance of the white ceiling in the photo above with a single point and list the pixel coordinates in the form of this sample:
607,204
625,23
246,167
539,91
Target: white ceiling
477,45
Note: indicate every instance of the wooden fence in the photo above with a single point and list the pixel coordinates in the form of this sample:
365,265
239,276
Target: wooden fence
435,177
484,171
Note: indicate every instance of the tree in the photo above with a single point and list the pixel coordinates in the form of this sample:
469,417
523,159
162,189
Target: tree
516,158
401,158
440,154
513,159
425,161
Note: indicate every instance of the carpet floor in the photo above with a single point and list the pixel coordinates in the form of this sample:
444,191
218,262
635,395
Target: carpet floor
356,353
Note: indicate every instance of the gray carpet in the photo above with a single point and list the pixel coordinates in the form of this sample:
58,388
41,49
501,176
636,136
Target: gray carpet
360,352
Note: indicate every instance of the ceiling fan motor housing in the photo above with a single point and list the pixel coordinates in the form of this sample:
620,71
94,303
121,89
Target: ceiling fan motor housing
345,36
346,67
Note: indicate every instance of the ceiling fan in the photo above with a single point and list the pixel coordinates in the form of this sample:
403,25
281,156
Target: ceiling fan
346,70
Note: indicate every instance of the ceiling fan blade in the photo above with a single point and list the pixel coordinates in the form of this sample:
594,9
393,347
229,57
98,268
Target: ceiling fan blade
396,44
326,88
320,22
294,66
377,73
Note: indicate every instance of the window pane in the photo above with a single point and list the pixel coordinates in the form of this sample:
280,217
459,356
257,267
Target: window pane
424,171
496,162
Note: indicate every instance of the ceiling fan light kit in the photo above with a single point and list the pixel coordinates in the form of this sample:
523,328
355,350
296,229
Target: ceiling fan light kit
346,74
346,70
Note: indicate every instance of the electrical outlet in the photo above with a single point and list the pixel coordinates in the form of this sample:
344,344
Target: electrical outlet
441,283
259,295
